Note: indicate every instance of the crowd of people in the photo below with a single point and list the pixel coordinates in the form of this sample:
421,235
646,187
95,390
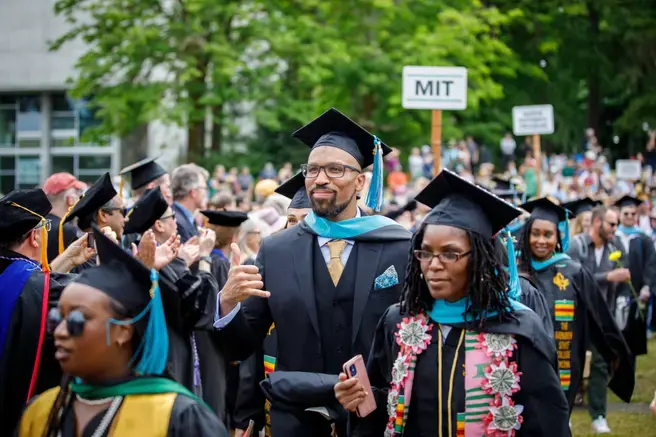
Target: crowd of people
184,303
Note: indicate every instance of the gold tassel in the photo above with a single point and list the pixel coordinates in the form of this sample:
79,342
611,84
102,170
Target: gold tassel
60,231
120,187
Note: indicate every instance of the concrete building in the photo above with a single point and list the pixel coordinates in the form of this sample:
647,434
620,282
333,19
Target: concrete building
40,125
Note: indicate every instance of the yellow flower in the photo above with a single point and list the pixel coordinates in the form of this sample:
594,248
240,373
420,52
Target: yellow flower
615,256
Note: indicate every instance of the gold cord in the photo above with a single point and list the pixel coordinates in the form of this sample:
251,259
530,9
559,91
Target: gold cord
453,373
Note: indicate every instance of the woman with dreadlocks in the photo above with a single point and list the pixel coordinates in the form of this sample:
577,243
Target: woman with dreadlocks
458,356
579,313
111,338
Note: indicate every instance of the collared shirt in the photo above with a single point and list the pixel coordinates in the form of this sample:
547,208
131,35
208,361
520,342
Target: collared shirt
188,214
325,250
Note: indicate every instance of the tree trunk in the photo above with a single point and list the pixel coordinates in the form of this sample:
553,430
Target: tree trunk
594,86
217,125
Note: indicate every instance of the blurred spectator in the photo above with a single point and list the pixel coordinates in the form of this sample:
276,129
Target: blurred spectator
245,181
416,163
250,239
397,180
472,148
286,172
650,151
222,201
392,159
268,172
264,189
218,179
508,146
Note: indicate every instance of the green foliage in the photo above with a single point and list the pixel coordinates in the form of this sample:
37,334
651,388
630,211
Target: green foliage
283,62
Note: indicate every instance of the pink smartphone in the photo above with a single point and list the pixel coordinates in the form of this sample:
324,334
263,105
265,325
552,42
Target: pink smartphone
355,368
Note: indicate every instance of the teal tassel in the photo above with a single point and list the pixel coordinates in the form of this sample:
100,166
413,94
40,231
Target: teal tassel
563,227
375,194
514,287
152,353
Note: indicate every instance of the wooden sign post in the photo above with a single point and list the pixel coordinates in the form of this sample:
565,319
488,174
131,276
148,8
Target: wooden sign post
436,140
435,88
534,121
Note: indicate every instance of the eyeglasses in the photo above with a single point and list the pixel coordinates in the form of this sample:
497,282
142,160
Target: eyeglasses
425,256
172,215
47,224
74,322
332,170
628,214
122,211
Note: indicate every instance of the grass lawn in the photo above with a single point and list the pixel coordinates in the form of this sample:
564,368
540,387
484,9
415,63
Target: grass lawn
627,424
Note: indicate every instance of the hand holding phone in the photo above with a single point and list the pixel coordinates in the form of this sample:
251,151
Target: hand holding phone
355,392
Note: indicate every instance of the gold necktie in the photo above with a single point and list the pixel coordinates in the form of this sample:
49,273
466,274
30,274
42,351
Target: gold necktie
335,266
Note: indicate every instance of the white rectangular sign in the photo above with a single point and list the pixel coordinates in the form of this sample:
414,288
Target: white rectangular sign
628,169
434,87
532,120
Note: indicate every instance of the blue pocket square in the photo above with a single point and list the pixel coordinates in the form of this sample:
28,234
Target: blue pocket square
389,278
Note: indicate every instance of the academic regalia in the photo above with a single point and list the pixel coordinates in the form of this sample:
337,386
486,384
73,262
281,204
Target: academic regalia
320,326
143,172
580,315
294,190
642,263
22,296
580,206
148,405
145,212
532,298
436,371
545,409
71,234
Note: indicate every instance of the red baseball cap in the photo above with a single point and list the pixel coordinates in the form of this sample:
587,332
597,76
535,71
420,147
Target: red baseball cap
59,182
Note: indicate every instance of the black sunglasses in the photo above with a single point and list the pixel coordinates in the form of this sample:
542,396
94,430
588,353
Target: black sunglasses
122,211
74,322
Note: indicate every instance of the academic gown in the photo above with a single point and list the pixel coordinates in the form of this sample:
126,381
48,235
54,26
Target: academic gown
319,326
545,407
187,418
581,316
533,299
20,329
641,264
70,236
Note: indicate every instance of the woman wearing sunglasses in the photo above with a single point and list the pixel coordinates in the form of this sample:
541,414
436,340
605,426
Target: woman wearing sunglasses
578,310
111,339
457,356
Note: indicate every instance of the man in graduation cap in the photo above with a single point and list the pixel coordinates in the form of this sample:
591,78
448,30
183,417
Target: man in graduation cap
145,175
329,279
196,360
28,289
100,205
300,206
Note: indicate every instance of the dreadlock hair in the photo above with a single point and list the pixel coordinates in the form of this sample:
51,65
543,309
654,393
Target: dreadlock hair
486,278
525,253
57,411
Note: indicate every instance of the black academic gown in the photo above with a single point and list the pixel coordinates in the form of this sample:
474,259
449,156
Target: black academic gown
545,407
18,356
641,263
188,418
532,298
319,326
567,285
70,236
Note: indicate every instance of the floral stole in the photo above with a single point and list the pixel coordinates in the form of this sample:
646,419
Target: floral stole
490,381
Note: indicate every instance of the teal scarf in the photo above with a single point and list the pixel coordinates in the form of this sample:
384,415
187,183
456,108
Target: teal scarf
450,313
145,385
556,258
633,230
347,229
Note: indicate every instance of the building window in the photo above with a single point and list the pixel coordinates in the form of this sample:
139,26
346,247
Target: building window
87,168
7,174
19,172
20,120
70,118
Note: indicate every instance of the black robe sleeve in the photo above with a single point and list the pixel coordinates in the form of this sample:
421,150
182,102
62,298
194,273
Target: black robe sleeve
249,404
536,301
606,336
188,418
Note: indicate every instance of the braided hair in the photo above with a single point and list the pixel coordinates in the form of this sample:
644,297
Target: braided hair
525,253
62,400
486,278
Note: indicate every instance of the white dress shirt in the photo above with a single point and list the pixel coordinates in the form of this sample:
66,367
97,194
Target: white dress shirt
325,250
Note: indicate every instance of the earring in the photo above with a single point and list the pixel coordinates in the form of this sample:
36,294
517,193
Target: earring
421,275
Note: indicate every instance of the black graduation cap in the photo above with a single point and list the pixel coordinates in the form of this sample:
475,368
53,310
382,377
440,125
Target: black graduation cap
149,208
98,194
410,206
294,189
581,205
334,129
230,219
143,172
129,282
506,194
545,209
628,201
457,202
501,183
21,211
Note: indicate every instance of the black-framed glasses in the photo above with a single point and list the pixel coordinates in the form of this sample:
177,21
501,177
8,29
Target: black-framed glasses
165,217
122,211
425,256
74,322
333,170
